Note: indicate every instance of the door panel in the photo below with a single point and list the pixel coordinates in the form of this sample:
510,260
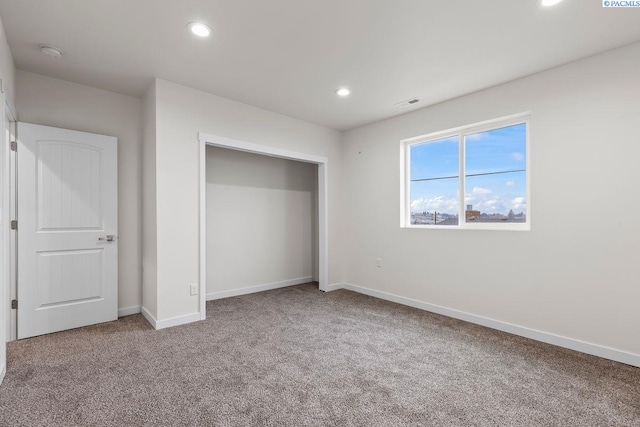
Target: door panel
67,205
68,186
69,276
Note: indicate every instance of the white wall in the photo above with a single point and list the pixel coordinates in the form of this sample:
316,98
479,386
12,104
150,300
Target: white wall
7,68
52,102
575,274
260,220
182,112
149,213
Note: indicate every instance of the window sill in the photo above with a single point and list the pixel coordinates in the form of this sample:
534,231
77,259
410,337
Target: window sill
481,227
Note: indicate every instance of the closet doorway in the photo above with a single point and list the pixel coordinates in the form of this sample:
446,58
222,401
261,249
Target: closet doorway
263,218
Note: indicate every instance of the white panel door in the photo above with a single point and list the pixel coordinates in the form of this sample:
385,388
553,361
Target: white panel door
67,227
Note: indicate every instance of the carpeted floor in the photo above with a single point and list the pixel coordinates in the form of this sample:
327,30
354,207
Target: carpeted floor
299,357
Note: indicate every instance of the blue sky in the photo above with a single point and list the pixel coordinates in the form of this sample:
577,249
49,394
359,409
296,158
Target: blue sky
493,151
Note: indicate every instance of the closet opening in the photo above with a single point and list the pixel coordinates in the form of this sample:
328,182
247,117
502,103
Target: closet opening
263,221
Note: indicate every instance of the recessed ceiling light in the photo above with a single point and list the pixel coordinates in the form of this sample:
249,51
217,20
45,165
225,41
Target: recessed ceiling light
51,51
343,91
550,2
199,29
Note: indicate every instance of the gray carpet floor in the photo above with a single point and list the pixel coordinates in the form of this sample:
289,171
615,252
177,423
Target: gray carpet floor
300,357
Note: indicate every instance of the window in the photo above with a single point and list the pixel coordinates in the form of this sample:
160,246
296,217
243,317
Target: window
473,177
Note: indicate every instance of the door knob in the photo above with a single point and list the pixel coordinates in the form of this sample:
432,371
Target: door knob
108,238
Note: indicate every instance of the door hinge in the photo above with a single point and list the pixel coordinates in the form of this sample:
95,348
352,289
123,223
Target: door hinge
14,146
14,224
14,304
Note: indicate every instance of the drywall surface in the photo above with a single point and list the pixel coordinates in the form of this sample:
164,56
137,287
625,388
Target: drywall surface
52,102
182,112
149,212
7,69
575,274
260,220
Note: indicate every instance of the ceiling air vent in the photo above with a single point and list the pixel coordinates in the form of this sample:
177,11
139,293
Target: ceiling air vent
408,102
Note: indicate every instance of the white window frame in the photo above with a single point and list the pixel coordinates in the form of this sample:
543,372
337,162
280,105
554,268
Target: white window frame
461,132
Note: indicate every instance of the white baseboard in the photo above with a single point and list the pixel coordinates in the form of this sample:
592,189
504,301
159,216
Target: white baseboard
168,323
546,337
128,311
147,315
3,371
257,288
334,287
178,320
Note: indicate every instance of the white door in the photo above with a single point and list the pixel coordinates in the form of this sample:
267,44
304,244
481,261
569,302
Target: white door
67,227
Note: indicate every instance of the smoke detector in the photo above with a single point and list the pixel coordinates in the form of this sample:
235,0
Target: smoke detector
408,102
51,51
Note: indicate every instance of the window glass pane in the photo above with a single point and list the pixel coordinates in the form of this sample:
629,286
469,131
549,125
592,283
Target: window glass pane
434,191
435,159
495,175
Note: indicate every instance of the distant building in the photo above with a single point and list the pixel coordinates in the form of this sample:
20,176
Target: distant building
470,214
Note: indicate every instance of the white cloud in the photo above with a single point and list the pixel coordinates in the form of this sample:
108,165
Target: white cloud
484,200
439,203
476,136
511,183
519,203
480,191
517,156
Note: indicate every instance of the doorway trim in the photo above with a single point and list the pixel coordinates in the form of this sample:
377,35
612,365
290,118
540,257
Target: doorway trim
249,147
11,191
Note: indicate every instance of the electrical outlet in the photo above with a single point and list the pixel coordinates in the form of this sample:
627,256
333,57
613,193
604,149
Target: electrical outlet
379,262
194,289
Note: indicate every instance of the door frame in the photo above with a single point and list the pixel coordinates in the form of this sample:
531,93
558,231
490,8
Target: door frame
8,238
249,147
